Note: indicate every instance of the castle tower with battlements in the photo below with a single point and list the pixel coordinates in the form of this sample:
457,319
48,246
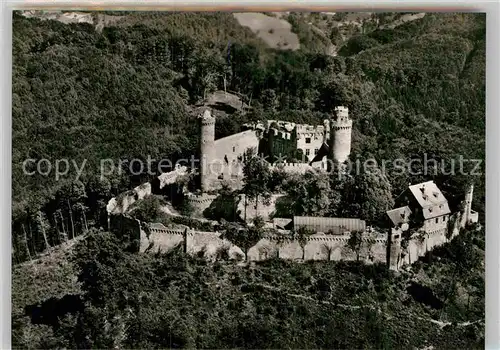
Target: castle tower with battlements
340,135
206,149
468,204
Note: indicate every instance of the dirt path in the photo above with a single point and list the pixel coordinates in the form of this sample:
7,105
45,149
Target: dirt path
441,324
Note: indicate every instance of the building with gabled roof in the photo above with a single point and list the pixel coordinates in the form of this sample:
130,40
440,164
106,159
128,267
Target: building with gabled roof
426,204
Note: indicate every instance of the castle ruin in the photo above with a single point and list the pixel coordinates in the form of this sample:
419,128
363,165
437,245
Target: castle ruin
316,143
222,160
396,248
423,205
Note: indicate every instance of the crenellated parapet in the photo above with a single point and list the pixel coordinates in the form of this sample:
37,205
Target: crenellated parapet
300,168
375,247
325,238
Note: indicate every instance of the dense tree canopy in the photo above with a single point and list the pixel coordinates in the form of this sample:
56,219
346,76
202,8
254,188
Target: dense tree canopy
178,301
127,92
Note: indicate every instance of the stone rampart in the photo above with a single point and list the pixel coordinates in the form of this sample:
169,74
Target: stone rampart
421,243
159,238
121,203
200,202
393,249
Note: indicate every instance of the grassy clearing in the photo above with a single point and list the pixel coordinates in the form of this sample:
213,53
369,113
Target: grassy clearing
275,32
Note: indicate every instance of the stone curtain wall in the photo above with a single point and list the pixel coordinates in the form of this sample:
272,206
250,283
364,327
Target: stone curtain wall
419,245
200,202
121,203
319,247
374,247
158,238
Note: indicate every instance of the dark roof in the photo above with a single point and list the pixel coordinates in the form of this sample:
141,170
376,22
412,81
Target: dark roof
323,151
325,224
282,223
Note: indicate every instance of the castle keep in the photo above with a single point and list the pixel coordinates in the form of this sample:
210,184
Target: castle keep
340,135
207,150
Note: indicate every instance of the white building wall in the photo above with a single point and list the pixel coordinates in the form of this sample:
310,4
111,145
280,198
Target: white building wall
310,142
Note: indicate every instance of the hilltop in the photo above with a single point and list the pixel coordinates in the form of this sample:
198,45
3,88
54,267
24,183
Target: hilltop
321,31
124,86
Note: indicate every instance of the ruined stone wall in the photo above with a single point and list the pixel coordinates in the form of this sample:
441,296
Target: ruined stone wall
128,229
158,238
121,203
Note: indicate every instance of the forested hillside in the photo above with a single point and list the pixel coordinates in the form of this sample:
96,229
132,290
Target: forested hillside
125,92
146,301
128,91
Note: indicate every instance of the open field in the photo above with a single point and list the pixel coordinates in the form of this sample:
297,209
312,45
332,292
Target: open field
275,32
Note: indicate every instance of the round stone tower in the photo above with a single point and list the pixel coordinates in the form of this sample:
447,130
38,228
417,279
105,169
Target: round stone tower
468,203
340,135
207,149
